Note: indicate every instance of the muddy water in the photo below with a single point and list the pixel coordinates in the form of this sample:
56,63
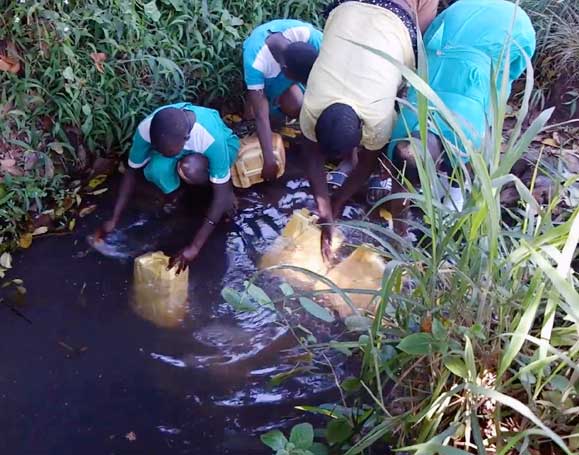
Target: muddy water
81,372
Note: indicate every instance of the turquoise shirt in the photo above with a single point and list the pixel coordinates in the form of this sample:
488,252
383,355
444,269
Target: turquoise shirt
209,137
463,44
262,71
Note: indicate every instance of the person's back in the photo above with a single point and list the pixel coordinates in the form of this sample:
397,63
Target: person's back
464,44
346,73
484,25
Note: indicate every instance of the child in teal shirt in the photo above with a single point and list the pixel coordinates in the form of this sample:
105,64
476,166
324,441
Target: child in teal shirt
463,45
277,59
182,142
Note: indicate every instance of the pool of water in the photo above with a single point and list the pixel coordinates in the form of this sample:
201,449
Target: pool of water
81,372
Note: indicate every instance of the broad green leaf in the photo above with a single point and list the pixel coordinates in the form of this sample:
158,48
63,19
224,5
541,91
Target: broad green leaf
420,344
68,74
258,294
177,4
357,323
438,330
316,310
274,439
302,435
237,300
152,11
351,384
286,289
318,449
338,431
456,366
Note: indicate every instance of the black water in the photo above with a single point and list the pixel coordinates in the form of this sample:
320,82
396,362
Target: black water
80,372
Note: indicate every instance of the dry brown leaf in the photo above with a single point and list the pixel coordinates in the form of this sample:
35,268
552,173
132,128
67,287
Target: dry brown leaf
26,240
426,325
8,166
99,58
571,161
97,192
40,230
550,142
9,64
87,210
6,260
97,181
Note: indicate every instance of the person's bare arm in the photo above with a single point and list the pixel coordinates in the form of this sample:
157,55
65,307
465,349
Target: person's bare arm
314,164
221,202
260,107
427,10
125,191
367,162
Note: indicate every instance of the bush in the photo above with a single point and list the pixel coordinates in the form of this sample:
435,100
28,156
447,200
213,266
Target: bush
99,66
85,73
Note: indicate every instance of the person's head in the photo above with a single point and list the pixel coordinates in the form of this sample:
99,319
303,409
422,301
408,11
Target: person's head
338,131
194,169
170,129
299,59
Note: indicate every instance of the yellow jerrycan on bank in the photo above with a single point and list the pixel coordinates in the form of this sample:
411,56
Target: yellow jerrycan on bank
247,169
299,245
363,269
159,295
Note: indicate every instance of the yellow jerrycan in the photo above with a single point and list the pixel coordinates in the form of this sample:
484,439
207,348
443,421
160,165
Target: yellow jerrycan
159,295
299,245
363,269
247,169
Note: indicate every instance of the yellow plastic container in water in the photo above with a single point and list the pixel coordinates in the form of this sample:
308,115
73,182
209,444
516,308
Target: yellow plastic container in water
247,169
159,295
363,269
299,245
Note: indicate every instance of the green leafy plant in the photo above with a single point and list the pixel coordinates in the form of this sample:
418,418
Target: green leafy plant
300,442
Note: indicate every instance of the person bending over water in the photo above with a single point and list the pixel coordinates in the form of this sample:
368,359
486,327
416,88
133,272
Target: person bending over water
181,142
463,45
348,109
277,58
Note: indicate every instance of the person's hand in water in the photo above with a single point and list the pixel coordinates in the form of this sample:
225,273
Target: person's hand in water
269,171
326,242
103,231
183,258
